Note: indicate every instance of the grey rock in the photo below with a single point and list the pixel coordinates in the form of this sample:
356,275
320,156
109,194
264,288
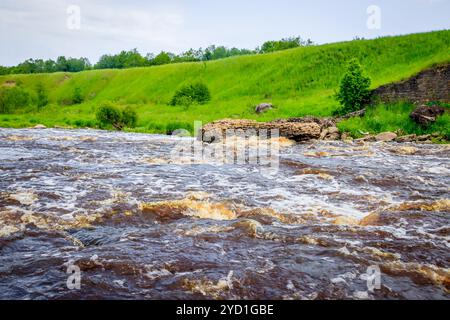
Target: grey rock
263,107
386,136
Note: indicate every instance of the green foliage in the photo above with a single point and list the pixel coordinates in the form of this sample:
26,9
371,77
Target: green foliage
129,117
77,96
190,94
393,117
81,123
125,59
162,58
284,44
62,64
4,70
354,91
111,115
12,99
71,64
221,52
132,58
42,96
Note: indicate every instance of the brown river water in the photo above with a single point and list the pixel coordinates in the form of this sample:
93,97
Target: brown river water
140,226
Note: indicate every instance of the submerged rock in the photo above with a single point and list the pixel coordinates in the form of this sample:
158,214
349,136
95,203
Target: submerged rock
249,226
346,137
405,150
330,134
180,133
386,136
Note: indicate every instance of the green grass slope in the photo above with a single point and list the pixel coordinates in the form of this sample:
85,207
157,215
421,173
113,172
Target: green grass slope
298,82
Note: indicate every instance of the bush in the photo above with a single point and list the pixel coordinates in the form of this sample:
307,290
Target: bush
129,117
42,96
77,97
79,123
156,127
192,93
12,99
110,115
354,91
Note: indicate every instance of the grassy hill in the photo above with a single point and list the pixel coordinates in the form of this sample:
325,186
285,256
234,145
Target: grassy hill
298,82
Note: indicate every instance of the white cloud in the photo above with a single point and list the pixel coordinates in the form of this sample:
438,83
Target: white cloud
38,28
105,27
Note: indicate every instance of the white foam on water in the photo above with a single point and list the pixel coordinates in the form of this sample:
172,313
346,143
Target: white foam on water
437,170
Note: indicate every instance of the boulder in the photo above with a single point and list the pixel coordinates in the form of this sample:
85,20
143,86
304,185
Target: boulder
39,126
408,138
426,115
323,134
333,130
386,137
263,107
333,137
180,133
369,138
436,134
346,136
406,150
330,134
423,138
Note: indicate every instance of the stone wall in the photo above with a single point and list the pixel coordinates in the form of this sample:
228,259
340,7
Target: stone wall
430,85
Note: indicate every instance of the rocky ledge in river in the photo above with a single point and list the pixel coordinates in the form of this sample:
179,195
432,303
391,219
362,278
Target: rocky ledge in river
298,129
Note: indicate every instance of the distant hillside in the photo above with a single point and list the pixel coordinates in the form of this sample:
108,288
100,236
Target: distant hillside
298,82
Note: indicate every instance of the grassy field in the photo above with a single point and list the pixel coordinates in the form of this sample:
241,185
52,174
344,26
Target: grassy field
298,82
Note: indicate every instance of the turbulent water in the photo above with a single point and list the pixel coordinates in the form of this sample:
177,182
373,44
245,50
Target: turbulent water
141,226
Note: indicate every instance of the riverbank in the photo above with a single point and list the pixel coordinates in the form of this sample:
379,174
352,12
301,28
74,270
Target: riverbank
377,119
382,124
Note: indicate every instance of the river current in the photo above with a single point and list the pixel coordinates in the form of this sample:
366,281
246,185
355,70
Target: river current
337,221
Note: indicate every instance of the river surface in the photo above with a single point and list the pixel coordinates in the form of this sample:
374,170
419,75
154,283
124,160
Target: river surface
337,221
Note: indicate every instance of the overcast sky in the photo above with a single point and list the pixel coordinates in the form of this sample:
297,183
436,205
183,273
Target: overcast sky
40,28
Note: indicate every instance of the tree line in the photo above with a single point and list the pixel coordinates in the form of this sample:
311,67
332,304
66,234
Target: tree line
132,58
